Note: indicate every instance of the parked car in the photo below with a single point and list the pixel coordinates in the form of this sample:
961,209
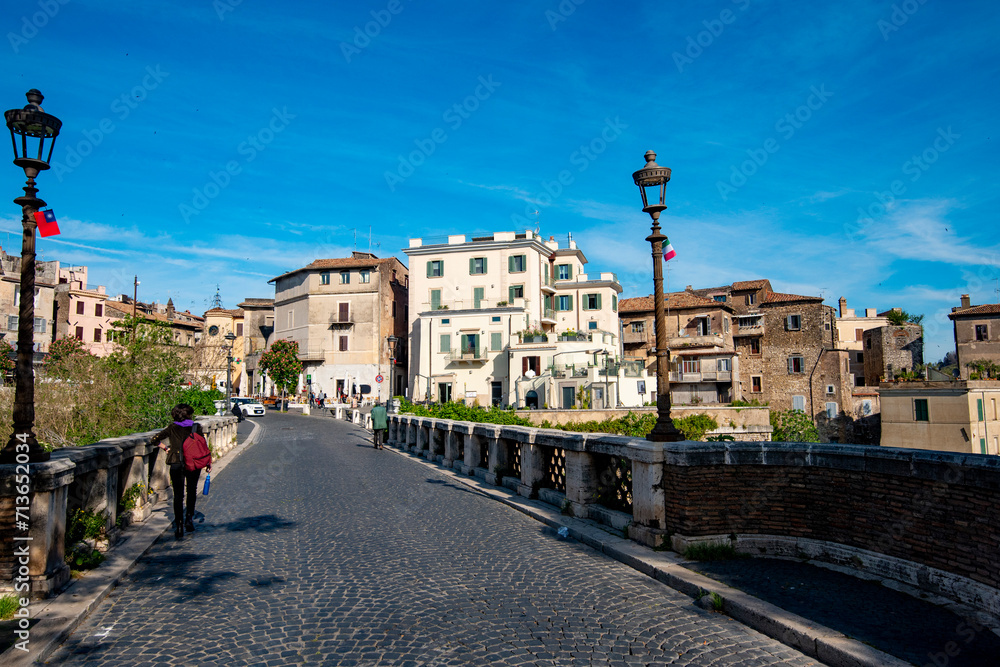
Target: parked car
251,407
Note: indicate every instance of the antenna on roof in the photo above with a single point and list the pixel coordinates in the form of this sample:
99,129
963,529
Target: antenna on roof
217,300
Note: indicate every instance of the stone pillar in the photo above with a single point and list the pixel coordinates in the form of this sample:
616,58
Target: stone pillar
390,436
461,437
412,431
532,469
95,481
486,434
649,507
46,569
581,482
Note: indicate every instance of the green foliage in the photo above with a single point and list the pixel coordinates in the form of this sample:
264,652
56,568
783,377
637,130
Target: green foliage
793,426
694,427
64,349
130,499
724,437
281,363
202,400
748,404
462,412
85,558
9,604
901,317
6,363
583,398
84,525
983,369
711,551
632,424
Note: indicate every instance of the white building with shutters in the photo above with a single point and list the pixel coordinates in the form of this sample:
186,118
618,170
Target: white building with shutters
509,319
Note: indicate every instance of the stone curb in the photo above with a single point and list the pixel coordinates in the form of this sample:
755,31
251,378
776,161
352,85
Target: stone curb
58,617
817,641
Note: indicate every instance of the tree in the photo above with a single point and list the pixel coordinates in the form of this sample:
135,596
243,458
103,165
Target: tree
793,426
64,355
694,427
900,317
282,365
6,359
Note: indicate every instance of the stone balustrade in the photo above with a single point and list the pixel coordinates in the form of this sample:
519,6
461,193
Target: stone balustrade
93,478
925,518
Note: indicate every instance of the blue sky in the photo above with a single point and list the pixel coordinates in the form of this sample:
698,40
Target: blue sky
841,149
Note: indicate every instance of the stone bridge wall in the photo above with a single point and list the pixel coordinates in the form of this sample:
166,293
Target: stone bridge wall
925,518
92,478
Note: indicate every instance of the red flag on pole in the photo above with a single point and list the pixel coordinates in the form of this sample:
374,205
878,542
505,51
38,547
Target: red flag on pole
47,225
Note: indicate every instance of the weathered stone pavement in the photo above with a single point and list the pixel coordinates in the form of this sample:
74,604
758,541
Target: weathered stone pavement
317,548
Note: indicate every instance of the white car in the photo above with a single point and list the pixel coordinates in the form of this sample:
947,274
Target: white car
249,406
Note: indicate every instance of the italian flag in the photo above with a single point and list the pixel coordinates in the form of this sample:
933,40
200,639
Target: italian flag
668,252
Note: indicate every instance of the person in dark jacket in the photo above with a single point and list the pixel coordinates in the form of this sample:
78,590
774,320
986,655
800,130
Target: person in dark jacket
379,425
237,412
176,433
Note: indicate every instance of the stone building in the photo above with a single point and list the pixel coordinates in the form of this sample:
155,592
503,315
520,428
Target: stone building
80,311
703,361
46,279
510,319
892,350
342,312
851,328
213,353
258,331
977,333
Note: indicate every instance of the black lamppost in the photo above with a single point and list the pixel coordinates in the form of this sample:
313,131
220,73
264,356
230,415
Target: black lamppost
230,337
653,176
29,128
392,364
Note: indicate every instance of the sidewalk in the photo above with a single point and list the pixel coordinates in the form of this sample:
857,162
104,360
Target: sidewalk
53,619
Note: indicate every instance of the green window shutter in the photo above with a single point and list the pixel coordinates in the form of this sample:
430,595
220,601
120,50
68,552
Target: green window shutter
445,342
485,264
510,297
435,299
478,295
598,302
429,270
979,403
569,271
465,344
510,264
546,274
496,340
982,445
614,302
548,302
570,300
472,265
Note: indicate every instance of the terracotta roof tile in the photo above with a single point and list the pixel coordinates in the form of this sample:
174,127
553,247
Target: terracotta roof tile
673,299
986,309
750,284
342,263
257,302
778,297
233,312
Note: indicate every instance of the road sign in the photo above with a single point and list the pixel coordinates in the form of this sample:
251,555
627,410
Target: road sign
378,378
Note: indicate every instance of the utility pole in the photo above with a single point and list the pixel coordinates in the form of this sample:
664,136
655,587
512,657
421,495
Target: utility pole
135,294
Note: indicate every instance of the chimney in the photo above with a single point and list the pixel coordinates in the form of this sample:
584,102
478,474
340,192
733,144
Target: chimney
843,305
965,301
689,288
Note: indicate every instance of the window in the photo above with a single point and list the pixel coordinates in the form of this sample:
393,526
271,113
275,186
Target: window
40,325
515,292
97,335
239,328
830,389
979,405
291,319
592,325
343,343
751,299
831,410
477,295
564,271
470,344
725,324
477,266
496,341
12,322
365,275
345,277
799,403
591,301
533,364
324,278
691,365
343,312
98,309
638,327
564,302
796,364
721,298
445,343
982,333
614,303
793,323
495,318
920,412
394,309
755,384
79,307
435,269
435,299
79,333
517,263
445,320
859,334
722,365
861,357
868,343
755,346
703,326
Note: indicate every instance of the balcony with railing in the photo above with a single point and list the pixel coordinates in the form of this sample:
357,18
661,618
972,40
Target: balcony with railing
748,326
701,376
686,342
630,337
467,355
633,369
548,316
341,318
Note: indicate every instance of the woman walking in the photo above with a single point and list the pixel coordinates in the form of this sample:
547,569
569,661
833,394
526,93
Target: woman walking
176,433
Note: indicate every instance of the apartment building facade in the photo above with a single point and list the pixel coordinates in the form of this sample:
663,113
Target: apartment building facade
509,319
959,416
46,279
851,328
80,311
342,312
977,334
258,331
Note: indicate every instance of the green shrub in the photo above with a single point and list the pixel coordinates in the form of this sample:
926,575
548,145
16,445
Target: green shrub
463,412
694,427
83,525
8,605
202,400
711,551
793,426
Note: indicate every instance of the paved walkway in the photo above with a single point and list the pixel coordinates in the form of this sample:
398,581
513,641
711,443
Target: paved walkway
317,548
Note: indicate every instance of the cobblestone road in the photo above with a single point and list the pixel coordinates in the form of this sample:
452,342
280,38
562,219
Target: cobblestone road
317,548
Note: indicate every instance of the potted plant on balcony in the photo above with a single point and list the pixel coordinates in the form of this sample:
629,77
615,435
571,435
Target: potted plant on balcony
569,334
533,336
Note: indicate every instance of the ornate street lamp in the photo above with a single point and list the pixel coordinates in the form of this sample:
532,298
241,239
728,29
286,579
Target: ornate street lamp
230,337
648,178
29,128
392,364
